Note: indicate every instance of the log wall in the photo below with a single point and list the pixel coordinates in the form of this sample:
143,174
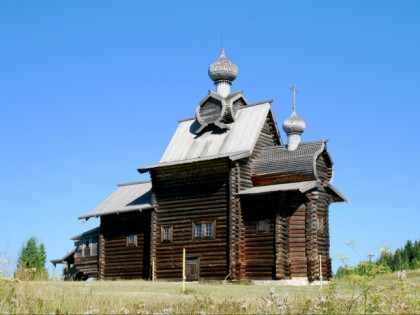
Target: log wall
297,240
119,259
186,194
282,238
260,253
324,167
86,255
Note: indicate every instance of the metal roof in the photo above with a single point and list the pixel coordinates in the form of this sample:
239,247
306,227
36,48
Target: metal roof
303,187
79,236
232,156
280,161
336,194
128,197
186,146
300,186
65,258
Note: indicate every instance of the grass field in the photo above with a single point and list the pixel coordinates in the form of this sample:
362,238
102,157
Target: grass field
384,294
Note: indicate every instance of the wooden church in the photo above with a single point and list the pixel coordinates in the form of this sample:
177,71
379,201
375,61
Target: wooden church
241,202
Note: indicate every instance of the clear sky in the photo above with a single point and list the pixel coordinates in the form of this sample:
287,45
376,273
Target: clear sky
92,90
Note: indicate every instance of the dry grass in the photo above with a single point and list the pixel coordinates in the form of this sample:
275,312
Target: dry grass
385,295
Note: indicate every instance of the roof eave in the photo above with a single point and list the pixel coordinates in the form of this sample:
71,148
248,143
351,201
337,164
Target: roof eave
339,197
232,156
88,216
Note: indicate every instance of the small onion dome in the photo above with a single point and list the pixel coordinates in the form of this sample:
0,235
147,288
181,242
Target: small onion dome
294,125
223,69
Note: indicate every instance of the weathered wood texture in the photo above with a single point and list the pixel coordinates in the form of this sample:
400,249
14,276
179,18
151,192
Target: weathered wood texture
282,237
297,241
101,257
188,194
324,167
120,260
260,253
86,255
241,179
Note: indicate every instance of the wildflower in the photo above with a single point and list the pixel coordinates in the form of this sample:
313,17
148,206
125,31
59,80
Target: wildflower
124,311
92,310
244,305
167,311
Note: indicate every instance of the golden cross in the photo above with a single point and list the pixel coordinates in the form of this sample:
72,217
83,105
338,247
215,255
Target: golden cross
293,88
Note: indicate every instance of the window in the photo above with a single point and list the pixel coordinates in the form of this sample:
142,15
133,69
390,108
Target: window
262,226
166,233
132,240
203,229
320,224
87,243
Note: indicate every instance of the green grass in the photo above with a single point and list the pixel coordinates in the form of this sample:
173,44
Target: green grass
384,294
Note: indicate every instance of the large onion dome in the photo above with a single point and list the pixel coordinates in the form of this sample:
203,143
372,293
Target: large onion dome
294,125
223,69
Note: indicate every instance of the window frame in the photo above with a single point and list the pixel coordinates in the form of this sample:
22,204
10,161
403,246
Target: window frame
266,225
163,228
320,224
206,225
134,242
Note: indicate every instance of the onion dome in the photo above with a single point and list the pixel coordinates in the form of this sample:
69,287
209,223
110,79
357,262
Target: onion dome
294,125
223,69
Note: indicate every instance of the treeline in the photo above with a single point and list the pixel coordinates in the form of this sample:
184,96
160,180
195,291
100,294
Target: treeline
407,257
404,258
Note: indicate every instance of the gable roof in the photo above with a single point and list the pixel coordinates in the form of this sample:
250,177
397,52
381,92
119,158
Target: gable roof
128,197
241,137
280,161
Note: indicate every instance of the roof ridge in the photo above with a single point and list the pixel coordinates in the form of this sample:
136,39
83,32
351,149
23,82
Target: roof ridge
258,103
134,183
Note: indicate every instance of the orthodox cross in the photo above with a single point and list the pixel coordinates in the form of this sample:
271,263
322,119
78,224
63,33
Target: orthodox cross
293,88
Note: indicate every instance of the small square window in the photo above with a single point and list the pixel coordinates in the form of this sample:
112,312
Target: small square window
166,233
132,240
262,226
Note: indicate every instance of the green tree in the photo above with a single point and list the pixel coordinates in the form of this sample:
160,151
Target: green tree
31,261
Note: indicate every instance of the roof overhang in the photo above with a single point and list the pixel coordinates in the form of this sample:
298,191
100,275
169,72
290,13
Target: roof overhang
128,197
335,193
231,156
141,209
60,261
79,236
303,187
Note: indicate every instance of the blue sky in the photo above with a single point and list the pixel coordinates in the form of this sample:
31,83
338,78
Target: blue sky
92,90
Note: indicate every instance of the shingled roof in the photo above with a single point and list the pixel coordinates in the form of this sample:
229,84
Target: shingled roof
128,197
280,161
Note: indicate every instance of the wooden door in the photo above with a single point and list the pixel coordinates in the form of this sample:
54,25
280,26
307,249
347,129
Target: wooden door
192,270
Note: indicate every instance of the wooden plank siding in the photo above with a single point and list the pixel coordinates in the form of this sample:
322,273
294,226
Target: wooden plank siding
186,194
120,260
